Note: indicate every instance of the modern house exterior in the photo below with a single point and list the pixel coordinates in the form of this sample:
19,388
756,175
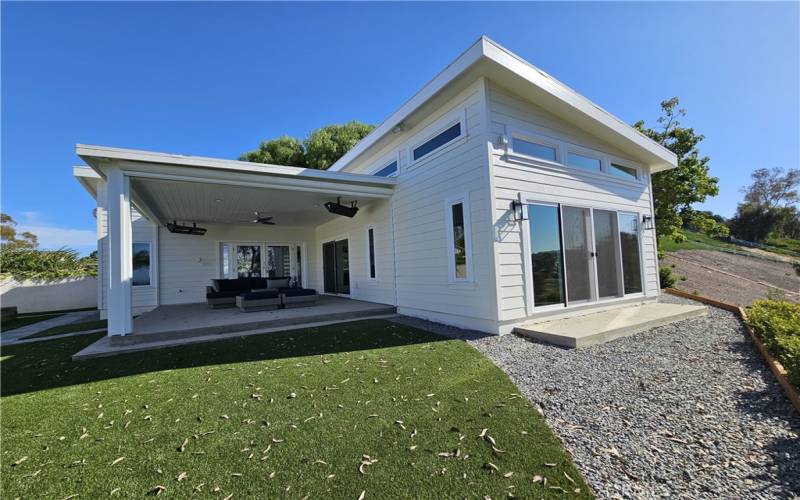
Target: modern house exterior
494,196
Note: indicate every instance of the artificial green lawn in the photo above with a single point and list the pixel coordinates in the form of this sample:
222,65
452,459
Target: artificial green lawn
70,328
20,321
284,415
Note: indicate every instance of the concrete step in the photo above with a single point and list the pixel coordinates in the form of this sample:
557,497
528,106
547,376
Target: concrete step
596,328
145,338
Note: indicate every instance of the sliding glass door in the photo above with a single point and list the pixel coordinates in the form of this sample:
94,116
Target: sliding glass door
581,254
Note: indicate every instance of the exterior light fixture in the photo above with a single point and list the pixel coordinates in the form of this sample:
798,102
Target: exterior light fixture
174,227
518,209
647,222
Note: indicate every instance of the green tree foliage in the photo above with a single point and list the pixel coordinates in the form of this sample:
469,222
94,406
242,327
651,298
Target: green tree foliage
321,149
46,265
676,190
769,205
10,239
753,222
327,144
284,150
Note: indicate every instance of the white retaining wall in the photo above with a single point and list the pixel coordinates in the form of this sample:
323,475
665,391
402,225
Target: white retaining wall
35,296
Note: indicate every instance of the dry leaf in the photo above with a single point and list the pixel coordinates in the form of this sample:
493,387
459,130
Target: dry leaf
508,474
490,466
118,460
182,447
361,496
114,491
569,478
181,476
18,462
157,490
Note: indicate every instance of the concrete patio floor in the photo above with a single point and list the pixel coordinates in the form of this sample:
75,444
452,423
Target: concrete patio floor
174,325
598,327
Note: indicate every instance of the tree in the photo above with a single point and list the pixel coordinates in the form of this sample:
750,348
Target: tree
10,239
772,188
327,144
321,149
754,222
675,190
284,150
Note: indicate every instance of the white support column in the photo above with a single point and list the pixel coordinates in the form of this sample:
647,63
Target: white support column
120,248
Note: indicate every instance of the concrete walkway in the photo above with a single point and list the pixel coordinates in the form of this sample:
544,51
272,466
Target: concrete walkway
16,335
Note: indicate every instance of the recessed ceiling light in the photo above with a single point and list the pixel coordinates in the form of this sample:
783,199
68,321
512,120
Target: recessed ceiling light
218,200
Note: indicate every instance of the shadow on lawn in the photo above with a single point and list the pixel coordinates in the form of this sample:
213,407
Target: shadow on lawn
48,364
770,404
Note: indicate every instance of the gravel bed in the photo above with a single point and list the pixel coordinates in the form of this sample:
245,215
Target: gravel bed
687,410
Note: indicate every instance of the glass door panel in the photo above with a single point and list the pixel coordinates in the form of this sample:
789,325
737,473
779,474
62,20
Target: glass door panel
606,256
577,253
546,255
342,267
631,260
278,262
248,261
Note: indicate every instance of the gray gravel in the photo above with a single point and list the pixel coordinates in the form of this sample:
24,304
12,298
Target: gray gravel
688,409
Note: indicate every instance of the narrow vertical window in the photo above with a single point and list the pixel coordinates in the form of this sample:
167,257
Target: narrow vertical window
141,264
459,242
371,249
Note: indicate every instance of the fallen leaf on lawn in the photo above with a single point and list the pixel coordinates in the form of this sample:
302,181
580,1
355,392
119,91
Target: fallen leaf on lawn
225,417
537,478
497,451
549,465
84,435
156,490
236,474
199,487
569,478
114,491
331,476
271,475
323,462
361,496
414,433
181,476
117,460
558,488
490,439
508,474
19,461
412,448
70,496
490,466
275,440
228,497
182,447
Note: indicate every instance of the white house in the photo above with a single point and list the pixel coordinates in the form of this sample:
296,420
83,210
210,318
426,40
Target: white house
495,195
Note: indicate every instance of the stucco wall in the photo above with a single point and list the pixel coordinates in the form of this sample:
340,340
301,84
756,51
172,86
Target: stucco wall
34,296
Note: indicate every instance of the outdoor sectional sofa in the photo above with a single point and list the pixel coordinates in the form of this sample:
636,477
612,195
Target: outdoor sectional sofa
257,294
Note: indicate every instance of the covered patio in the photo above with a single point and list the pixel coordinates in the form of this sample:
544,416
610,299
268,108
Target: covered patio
257,220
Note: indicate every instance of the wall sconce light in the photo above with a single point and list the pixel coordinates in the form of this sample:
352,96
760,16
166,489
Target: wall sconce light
647,222
518,209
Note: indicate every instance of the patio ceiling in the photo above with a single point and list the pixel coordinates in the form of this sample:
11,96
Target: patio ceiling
167,187
223,204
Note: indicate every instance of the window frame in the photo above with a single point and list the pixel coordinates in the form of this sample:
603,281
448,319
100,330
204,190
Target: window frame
458,116
462,199
563,148
372,258
385,162
149,263
541,140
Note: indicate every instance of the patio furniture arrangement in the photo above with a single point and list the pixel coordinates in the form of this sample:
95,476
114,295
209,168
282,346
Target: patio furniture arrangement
258,294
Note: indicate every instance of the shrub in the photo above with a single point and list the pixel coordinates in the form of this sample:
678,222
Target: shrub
777,322
666,277
31,264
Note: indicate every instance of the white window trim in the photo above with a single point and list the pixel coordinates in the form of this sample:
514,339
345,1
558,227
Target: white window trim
538,139
553,201
149,266
588,153
563,148
445,122
451,265
374,250
385,162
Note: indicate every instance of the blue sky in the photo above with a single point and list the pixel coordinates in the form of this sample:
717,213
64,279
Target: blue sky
214,79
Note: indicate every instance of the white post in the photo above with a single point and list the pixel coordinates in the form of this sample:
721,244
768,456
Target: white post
120,249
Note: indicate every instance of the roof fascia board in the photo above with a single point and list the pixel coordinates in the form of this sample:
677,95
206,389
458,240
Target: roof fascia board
490,50
516,64
90,152
451,72
87,178
183,174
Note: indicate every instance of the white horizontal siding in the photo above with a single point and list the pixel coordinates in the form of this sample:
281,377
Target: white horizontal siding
189,263
568,186
378,214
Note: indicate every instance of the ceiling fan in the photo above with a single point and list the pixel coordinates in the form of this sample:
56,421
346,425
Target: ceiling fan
262,219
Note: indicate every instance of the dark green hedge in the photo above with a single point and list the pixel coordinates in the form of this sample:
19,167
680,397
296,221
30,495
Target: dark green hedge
777,322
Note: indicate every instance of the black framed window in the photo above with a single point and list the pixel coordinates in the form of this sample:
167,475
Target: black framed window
371,244
437,141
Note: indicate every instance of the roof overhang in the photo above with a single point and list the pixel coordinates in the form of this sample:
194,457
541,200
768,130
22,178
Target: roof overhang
485,58
168,186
